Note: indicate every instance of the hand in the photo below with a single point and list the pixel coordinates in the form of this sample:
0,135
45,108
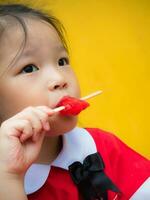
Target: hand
21,138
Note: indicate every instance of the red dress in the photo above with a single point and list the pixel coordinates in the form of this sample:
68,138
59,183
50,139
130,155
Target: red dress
126,168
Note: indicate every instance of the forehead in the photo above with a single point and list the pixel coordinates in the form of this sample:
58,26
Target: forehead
41,36
41,31
8,45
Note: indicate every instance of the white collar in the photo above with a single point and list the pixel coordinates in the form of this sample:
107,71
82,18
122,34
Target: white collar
77,144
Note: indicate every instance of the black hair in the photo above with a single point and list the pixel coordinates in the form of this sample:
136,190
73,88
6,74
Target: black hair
19,12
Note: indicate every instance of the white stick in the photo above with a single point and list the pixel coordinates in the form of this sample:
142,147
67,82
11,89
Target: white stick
91,95
83,98
59,108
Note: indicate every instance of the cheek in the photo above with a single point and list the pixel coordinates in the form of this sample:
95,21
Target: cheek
75,87
9,105
13,100
7,101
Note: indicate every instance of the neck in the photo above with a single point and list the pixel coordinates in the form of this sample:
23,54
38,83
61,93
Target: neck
50,149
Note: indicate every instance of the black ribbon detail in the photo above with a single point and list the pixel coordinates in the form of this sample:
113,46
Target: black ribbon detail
90,178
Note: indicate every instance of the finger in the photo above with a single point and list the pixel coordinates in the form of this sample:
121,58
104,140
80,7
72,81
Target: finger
27,130
30,114
44,118
46,109
20,128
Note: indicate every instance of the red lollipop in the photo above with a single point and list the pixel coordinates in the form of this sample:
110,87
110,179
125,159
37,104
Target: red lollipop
73,106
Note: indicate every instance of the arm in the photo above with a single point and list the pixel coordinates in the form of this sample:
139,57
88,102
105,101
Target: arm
11,187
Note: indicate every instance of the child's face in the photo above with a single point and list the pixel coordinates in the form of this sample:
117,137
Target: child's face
41,75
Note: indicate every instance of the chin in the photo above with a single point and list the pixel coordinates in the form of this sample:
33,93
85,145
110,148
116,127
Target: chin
61,124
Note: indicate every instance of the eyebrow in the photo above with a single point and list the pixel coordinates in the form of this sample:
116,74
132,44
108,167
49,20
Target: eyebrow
61,48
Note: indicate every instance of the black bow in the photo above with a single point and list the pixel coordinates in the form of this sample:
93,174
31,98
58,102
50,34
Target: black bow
90,178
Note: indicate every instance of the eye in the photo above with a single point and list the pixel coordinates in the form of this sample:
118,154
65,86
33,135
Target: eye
29,69
63,61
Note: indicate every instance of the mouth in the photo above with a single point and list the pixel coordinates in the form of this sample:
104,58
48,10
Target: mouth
60,100
57,102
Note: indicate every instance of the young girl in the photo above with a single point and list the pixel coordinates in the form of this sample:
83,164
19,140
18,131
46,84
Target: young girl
43,155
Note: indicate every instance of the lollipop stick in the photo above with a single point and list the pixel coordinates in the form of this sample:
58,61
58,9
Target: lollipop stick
91,95
83,98
59,108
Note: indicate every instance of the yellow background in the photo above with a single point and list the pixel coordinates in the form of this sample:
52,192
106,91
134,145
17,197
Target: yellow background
110,50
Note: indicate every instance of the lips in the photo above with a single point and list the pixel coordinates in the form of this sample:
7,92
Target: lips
73,106
54,101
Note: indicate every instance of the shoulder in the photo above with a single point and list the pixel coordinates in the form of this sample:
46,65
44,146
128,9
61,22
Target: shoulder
98,133
111,143
112,147
104,139
102,135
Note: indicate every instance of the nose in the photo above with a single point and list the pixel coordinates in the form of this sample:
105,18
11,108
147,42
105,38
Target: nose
56,86
58,83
